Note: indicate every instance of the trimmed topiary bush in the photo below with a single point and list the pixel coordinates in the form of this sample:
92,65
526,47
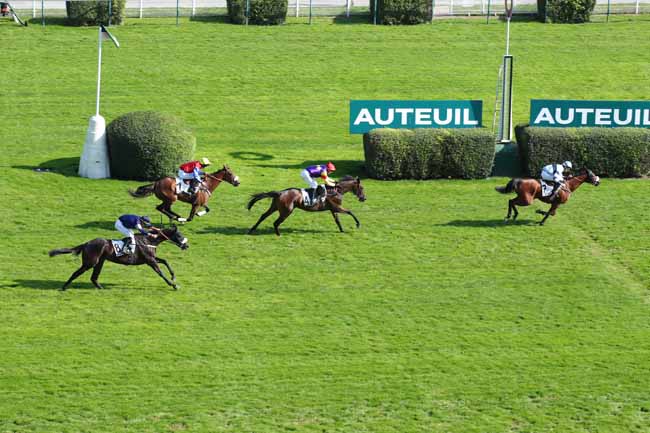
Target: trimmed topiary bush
146,145
569,11
91,13
263,12
429,153
401,11
613,152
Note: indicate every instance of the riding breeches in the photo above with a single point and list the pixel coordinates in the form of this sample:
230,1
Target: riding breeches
125,231
307,178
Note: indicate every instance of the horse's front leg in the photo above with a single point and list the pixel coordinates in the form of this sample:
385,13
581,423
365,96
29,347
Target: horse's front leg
336,219
154,265
195,206
336,208
169,268
551,211
203,212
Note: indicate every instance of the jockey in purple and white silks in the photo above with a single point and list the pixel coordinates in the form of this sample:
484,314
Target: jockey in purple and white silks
554,173
127,223
313,172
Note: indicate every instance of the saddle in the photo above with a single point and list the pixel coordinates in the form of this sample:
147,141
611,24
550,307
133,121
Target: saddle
309,197
547,188
182,186
118,247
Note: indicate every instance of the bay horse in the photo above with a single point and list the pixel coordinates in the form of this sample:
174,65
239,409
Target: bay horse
528,190
287,200
165,190
95,252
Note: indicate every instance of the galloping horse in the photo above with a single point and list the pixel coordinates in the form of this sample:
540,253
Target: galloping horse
530,189
165,190
95,252
287,200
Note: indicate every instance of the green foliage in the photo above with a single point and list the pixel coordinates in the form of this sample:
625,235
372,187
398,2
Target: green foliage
613,152
401,11
147,145
569,11
429,153
90,13
263,12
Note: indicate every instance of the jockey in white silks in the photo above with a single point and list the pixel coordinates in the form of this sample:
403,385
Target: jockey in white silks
554,173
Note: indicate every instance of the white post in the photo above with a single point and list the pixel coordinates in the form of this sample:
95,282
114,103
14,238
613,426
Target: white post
347,8
297,8
637,7
94,163
193,7
99,70
141,9
451,7
33,8
508,37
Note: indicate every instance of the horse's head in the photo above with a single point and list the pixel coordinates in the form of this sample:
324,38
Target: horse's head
591,177
176,237
229,176
349,183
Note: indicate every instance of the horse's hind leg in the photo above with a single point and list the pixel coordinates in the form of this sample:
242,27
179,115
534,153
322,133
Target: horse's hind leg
551,211
76,275
96,271
513,206
284,214
264,216
162,208
336,219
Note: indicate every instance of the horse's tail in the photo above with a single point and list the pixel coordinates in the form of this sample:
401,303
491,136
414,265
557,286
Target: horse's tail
76,250
510,187
142,191
257,197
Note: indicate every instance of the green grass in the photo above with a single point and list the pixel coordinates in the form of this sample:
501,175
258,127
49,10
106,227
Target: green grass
433,317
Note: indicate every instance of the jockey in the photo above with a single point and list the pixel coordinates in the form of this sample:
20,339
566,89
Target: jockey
554,173
4,9
192,171
313,172
125,225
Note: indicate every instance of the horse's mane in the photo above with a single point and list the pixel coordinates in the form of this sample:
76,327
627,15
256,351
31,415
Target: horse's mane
346,178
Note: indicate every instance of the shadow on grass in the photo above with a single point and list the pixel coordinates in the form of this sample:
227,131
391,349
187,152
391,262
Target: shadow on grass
65,166
57,284
238,231
487,223
251,156
101,225
211,19
353,19
343,167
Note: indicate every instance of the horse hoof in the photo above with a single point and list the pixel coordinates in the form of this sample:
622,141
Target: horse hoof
181,220
176,286
200,213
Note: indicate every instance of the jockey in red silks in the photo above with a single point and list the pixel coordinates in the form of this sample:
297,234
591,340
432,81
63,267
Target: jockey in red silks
192,171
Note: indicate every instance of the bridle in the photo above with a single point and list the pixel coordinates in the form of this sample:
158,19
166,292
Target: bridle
178,244
217,179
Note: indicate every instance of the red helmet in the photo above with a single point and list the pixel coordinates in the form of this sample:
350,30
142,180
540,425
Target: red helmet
330,167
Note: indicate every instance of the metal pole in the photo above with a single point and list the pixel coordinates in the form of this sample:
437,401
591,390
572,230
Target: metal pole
297,8
508,37
110,11
34,8
99,69
43,13
177,10
608,5
636,11
347,8
141,9
248,9
433,9
374,16
487,21
310,11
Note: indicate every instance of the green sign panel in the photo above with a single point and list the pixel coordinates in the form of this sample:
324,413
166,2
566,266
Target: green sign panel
575,114
368,115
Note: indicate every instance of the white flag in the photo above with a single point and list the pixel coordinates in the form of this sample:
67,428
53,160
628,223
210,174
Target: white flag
106,35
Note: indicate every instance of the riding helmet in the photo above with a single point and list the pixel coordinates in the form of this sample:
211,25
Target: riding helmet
330,167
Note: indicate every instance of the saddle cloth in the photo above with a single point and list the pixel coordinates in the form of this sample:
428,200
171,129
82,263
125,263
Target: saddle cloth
308,197
118,246
181,186
547,188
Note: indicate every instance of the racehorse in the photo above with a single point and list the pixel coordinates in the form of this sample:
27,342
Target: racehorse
95,252
287,200
530,189
165,190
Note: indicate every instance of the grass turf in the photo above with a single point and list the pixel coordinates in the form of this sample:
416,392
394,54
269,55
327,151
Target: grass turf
434,316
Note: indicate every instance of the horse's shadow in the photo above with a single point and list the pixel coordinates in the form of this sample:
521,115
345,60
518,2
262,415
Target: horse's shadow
237,231
94,225
56,285
487,223
349,167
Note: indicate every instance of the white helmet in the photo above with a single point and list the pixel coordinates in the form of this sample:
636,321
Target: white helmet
567,164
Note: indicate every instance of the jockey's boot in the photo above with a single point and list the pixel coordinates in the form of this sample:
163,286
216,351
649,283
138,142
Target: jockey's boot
194,186
320,193
556,189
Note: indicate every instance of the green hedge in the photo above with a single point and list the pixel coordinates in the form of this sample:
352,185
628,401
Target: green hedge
91,13
401,11
146,145
429,153
569,11
263,12
613,152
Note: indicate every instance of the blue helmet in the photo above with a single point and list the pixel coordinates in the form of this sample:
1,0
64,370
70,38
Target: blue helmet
145,220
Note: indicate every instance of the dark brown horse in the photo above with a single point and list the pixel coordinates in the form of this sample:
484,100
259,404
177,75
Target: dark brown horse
528,190
95,252
287,200
165,190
